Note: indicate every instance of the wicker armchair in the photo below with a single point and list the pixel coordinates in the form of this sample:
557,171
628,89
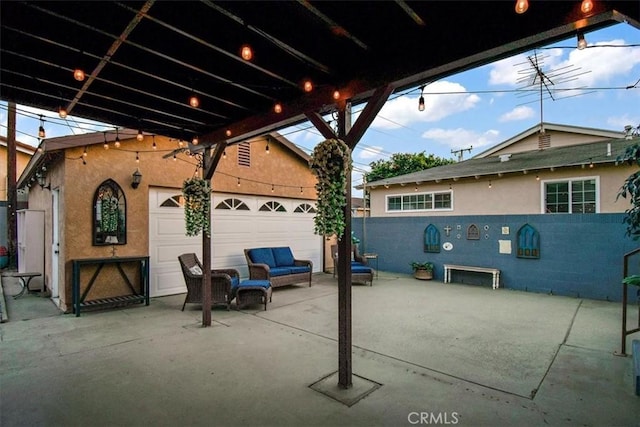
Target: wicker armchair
221,282
360,271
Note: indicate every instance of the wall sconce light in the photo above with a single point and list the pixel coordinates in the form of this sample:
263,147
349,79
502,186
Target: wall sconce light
582,42
135,179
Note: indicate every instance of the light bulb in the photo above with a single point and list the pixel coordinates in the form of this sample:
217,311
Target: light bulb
140,136
246,53
194,101
522,6
78,74
277,108
308,86
62,112
586,6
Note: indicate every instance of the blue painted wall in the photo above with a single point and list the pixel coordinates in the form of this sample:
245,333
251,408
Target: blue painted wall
580,255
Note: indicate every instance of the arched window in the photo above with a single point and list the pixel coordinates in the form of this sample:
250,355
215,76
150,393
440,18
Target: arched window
528,242
305,208
176,201
473,232
109,215
272,206
233,204
431,239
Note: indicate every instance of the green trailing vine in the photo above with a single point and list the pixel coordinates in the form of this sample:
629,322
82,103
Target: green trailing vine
331,162
197,205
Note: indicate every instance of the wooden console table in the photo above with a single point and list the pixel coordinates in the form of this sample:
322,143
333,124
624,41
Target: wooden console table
79,301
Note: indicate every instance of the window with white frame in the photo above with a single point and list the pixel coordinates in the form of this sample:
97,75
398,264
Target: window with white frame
419,202
574,195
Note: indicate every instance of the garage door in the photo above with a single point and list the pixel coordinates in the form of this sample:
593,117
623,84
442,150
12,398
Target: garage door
239,222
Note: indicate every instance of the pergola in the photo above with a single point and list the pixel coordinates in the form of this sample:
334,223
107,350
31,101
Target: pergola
144,60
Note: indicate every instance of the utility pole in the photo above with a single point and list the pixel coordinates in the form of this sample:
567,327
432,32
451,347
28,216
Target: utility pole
461,151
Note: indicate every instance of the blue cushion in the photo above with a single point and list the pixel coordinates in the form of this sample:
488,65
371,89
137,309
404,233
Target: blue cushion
357,264
360,269
283,256
300,269
279,271
255,283
262,256
234,281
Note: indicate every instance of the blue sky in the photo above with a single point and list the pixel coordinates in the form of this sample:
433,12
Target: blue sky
479,108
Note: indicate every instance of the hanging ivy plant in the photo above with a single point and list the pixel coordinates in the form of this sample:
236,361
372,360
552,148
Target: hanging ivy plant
331,162
197,202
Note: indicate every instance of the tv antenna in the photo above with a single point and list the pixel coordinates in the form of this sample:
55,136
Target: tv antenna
548,84
461,151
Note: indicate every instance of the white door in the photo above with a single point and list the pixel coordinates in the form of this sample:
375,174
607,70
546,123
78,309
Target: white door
239,222
55,244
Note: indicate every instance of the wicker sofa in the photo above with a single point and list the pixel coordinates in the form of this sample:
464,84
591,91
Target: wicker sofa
277,265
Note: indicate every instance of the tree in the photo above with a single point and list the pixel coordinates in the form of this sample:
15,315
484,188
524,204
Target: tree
631,187
402,164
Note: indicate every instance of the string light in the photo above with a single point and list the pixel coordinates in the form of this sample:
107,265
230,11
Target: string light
522,6
106,144
41,133
246,52
78,74
174,157
228,132
272,188
238,181
62,112
195,140
277,108
84,162
137,157
140,136
117,143
582,42
154,146
586,6
307,86
489,183
267,147
421,99
301,190
224,154
84,154
336,94
194,101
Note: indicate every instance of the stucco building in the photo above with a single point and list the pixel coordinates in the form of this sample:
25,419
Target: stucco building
263,194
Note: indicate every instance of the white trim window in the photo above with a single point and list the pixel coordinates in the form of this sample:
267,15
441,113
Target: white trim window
420,202
572,195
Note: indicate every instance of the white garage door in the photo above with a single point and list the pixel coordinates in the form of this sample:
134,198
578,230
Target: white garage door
239,222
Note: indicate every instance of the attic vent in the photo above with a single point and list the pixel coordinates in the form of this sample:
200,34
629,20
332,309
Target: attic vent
544,141
244,154
505,157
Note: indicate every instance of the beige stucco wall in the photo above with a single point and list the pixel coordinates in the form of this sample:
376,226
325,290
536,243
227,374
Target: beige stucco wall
558,139
509,194
77,183
22,159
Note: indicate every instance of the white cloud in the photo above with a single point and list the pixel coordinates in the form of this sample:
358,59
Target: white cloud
622,121
462,138
518,113
403,110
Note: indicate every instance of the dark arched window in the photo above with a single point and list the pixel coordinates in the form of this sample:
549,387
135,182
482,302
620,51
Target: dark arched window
528,242
431,239
109,215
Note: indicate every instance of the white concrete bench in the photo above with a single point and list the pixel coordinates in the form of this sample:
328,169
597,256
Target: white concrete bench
493,271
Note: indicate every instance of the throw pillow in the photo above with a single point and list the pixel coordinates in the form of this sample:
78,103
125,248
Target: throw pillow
196,270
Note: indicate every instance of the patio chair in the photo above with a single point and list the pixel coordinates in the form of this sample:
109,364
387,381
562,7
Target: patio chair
360,271
222,280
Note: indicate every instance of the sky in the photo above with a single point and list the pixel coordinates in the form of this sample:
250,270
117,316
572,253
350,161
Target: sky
597,87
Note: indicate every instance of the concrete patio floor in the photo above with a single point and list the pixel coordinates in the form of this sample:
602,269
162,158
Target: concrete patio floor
444,354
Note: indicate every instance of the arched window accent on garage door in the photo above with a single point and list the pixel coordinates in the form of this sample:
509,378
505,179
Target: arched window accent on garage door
305,208
528,242
431,239
272,206
176,201
233,204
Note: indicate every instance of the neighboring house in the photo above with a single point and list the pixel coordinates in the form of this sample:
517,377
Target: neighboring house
358,208
23,154
559,186
260,198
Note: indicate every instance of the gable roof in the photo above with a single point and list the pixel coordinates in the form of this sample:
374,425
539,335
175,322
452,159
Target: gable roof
580,130
601,152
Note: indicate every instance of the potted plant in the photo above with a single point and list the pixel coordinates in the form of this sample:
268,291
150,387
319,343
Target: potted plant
422,270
